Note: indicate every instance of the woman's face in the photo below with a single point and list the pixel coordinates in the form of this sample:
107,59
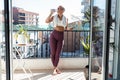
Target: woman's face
60,10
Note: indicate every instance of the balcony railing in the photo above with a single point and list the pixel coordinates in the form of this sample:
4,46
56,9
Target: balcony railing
72,46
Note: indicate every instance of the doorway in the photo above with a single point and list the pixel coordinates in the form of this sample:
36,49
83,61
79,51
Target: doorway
96,26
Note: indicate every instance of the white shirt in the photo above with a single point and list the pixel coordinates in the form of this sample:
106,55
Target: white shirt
58,22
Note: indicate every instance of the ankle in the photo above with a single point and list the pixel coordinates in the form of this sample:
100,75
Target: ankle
55,67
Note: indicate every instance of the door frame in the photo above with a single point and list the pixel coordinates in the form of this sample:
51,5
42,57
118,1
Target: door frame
7,38
106,36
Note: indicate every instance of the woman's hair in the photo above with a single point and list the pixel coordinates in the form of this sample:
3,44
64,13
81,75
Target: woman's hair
61,7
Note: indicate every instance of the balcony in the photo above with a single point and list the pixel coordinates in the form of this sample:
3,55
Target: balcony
22,14
38,56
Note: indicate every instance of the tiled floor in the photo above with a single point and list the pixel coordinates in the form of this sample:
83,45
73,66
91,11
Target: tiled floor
47,75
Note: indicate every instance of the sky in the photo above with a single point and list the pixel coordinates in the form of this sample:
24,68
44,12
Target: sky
72,7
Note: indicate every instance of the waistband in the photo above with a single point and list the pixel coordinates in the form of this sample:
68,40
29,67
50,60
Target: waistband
58,31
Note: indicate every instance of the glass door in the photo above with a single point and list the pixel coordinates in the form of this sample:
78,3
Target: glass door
4,40
114,45
2,43
98,25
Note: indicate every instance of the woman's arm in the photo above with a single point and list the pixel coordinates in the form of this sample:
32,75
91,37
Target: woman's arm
50,17
66,24
67,28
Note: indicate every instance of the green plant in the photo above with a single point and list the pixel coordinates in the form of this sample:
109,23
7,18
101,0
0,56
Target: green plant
87,15
86,44
22,31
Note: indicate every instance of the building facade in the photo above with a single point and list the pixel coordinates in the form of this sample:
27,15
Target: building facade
86,5
1,16
21,16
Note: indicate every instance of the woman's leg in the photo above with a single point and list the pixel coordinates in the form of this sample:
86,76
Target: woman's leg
56,41
57,55
53,47
58,51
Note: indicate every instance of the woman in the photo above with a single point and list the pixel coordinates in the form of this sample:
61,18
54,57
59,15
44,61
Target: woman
56,38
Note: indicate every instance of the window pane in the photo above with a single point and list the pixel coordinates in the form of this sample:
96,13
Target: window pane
2,43
97,38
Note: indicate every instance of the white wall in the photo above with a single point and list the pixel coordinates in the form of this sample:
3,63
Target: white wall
65,63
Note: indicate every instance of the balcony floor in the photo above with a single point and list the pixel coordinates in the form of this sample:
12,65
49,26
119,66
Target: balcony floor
77,74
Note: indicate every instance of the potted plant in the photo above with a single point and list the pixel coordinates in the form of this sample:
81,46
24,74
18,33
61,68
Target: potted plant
21,35
86,44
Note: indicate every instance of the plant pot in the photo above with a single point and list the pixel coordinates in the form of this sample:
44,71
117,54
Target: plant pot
21,39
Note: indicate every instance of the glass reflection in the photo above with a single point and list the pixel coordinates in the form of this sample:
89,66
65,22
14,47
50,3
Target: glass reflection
2,43
97,38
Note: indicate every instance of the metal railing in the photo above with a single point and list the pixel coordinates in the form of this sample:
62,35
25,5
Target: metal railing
72,46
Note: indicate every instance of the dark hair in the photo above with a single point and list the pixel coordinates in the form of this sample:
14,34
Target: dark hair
61,7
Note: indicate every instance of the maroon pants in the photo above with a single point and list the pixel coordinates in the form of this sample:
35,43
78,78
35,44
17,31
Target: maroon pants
56,42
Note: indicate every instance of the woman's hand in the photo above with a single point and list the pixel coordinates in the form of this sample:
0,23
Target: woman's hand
52,11
69,28
50,17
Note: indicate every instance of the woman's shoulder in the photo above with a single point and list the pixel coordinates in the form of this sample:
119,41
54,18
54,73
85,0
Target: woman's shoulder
64,17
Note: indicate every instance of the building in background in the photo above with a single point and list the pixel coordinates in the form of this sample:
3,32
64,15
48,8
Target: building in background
86,5
113,8
1,17
21,16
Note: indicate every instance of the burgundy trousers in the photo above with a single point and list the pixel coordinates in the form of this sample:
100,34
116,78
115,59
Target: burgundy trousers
56,42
